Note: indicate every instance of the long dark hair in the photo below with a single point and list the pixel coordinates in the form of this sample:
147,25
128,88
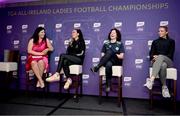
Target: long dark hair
81,38
117,32
166,29
36,36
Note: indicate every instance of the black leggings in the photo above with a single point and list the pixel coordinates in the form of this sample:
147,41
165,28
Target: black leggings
65,61
108,60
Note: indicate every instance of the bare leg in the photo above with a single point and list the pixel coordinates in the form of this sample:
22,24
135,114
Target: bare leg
41,66
36,70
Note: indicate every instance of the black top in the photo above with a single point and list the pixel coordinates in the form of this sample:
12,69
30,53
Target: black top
77,48
162,46
116,47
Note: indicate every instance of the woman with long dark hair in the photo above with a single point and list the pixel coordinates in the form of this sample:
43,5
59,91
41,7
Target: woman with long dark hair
38,47
161,56
112,54
74,55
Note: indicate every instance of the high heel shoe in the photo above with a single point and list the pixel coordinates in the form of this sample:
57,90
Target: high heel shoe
38,84
42,85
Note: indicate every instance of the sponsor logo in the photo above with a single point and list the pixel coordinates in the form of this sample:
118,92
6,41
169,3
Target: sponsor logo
66,42
138,61
23,57
58,26
56,59
24,26
16,42
77,25
128,42
127,79
150,42
117,24
164,23
95,60
140,24
85,76
41,25
87,42
96,25
8,27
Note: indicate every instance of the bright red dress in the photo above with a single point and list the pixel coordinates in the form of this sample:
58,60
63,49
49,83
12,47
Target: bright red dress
38,48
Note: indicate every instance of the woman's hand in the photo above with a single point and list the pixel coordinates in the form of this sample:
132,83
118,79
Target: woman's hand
120,56
44,52
155,57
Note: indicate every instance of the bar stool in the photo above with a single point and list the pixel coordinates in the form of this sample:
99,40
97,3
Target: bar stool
76,76
172,78
117,74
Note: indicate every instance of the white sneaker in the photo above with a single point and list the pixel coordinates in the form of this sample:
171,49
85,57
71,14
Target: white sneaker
55,77
165,92
149,84
68,83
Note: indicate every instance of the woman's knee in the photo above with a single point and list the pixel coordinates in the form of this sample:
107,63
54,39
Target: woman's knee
62,55
164,65
41,62
34,63
108,64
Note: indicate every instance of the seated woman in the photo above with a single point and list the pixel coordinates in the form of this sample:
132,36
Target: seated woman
161,56
112,54
37,60
75,55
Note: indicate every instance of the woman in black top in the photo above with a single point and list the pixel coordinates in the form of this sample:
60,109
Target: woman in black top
161,56
74,55
112,54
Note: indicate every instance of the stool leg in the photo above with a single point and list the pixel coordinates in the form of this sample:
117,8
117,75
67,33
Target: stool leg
151,98
81,85
60,83
174,97
27,82
77,87
100,89
119,90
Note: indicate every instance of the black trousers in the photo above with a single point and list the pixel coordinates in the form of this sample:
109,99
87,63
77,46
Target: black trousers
65,61
108,60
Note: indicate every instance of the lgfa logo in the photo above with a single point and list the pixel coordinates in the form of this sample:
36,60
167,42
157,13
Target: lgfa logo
77,25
